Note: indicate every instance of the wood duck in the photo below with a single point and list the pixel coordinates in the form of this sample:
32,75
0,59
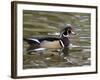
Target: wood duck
39,44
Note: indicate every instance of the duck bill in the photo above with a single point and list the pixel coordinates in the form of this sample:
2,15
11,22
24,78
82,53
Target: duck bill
73,33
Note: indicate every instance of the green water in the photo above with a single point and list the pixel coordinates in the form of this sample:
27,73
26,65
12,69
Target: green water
40,24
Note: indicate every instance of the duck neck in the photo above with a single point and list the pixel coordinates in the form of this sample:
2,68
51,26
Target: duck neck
64,40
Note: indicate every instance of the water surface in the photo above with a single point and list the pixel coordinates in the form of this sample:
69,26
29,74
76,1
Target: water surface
44,24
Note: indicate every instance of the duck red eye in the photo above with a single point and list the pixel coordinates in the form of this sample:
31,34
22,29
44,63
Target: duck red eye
69,31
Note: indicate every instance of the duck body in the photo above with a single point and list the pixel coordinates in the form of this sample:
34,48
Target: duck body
46,42
50,42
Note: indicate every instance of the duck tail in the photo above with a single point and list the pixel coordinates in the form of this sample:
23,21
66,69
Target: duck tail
31,41
28,41
25,39
33,44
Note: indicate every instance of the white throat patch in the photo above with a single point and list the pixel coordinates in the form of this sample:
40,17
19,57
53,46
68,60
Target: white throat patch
65,35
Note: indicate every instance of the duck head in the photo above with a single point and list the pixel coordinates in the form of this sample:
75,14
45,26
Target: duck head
67,31
65,34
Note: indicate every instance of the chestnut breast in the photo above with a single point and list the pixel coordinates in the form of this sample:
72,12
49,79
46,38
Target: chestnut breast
65,41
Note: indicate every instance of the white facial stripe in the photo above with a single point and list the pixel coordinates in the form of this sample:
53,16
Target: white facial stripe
65,35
